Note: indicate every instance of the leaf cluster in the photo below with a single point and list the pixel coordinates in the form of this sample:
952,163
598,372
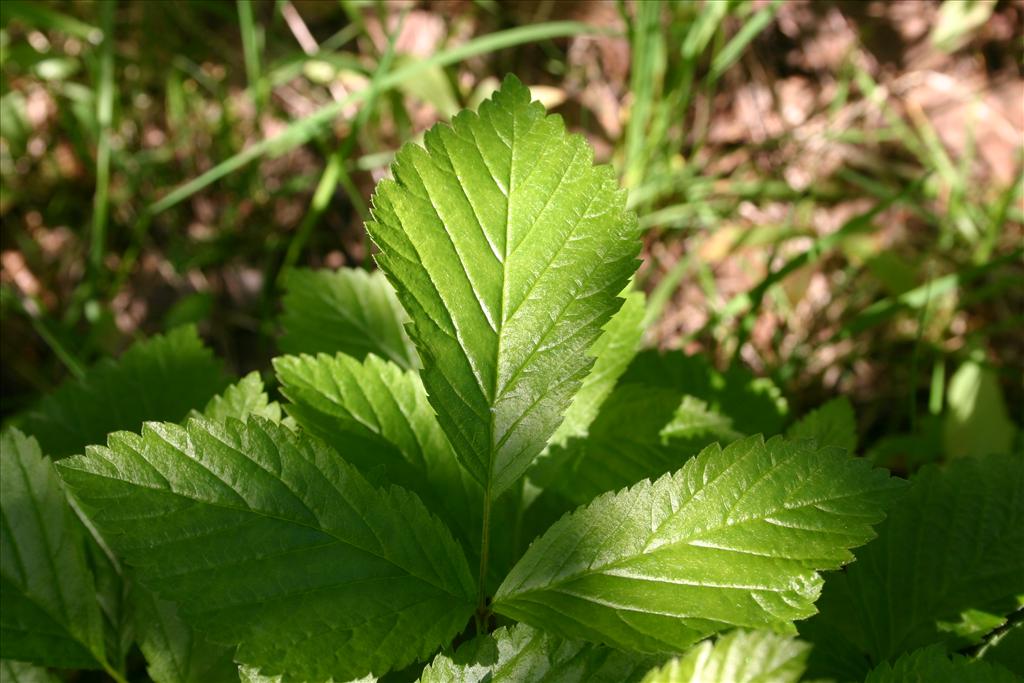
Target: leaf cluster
472,474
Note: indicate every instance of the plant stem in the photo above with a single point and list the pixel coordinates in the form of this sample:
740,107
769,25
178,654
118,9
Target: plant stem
114,673
481,615
32,311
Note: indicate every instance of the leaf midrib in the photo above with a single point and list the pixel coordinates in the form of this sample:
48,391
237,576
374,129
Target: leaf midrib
492,428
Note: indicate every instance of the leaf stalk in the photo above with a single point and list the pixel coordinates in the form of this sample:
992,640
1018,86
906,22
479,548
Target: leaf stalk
482,613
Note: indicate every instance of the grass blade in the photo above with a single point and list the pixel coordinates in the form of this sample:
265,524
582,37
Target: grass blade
104,116
250,50
733,50
918,297
305,129
335,170
647,68
39,16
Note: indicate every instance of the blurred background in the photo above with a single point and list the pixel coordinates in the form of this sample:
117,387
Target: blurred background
831,191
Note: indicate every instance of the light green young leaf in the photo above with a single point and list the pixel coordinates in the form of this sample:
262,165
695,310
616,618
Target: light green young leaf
832,424
956,23
50,615
954,543
220,516
378,417
347,310
250,674
932,665
738,657
174,652
613,351
734,538
508,248
976,421
22,672
693,420
972,625
245,397
161,378
523,654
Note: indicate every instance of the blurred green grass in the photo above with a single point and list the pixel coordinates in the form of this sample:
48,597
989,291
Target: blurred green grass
165,163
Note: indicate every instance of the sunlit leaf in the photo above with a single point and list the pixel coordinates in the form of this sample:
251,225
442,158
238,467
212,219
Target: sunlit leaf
522,654
738,657
735,538
508,248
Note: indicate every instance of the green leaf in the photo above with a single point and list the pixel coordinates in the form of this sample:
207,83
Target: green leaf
753,404
931,665
50,615
249,674
651,424
613,351
22,672
641,432
174,652
113,593
432,85
522,654
972,625
161,378
1007,649
832,424
267,539
378,416
738,657
694,421
954,543
240,400
347,310
976,422
734,538
957,22
508,248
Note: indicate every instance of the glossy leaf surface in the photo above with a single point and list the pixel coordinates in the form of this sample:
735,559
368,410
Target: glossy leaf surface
738,657
522,654
734,538
508,248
